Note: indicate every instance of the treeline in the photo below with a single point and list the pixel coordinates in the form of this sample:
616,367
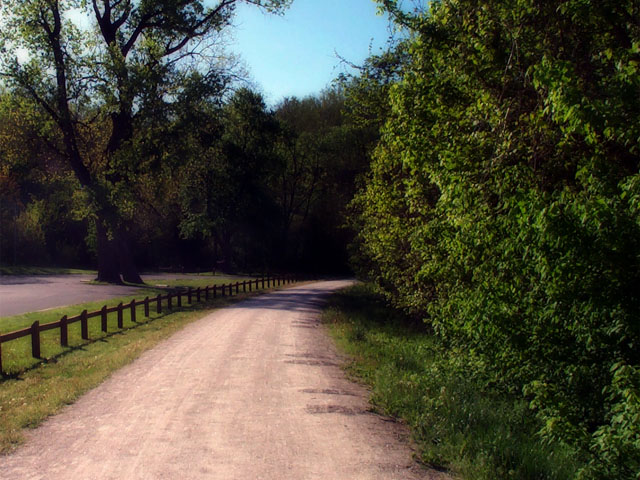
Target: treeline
131,144
502,206
232,185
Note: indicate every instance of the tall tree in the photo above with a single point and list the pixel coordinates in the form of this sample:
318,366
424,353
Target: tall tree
320,154
134,57
224,184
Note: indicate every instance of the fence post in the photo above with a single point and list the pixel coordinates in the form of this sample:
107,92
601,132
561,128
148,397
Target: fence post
133,310
120,320
35,339
198,294
159,304
189,295
206,292
146,307
64,332
222,286
179,299
244,286
84,325
237,288
262,282
169,306
215,291
103,318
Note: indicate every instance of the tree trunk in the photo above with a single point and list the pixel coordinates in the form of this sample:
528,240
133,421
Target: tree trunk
114,257
108,264
226,264
125,259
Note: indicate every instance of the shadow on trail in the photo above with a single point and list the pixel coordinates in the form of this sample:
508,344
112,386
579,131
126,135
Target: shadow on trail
298,300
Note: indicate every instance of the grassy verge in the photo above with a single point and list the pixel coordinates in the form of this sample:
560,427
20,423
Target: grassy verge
458,423
200,282
37,389
24,270
154,288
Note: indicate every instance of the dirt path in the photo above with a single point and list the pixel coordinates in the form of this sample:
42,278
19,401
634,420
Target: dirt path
254,391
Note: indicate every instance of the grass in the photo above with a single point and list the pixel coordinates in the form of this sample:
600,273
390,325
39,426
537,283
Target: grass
201,282
16,322
458,423
36,389
30,270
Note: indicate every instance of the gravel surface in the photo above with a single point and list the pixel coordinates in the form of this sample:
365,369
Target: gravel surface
252,391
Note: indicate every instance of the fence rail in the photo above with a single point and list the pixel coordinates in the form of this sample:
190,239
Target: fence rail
213,291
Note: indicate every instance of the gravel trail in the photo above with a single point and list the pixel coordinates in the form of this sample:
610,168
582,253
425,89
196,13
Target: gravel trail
252,391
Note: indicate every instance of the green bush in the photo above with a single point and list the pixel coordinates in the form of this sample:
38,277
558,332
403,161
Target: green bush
502,206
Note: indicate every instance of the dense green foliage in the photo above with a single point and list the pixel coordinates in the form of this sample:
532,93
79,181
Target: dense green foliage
127,141
502,207
221,182
457,423
105,77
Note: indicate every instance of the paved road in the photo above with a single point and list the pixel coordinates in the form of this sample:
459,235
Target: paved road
31,293
253,391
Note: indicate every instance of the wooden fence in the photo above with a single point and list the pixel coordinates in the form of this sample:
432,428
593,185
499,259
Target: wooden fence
191,294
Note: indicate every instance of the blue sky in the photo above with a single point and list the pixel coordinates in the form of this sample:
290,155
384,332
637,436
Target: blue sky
295,54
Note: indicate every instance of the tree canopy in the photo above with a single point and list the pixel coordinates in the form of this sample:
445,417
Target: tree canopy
101,86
